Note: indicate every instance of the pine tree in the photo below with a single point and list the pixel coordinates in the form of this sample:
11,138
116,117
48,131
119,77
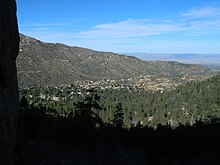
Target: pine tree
85,110
118,116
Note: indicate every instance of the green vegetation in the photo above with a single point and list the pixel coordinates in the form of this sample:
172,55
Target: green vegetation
128,108
162,126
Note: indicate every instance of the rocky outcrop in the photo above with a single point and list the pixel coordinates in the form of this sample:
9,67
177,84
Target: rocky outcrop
9,47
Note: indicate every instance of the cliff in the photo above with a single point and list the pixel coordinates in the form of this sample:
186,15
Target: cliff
9,47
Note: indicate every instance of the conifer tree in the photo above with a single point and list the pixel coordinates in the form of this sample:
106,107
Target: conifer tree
118,116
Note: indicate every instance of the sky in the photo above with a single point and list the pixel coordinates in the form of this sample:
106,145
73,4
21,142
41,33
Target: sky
126,26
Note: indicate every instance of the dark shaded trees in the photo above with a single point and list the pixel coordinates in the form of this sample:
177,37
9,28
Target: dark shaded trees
117,121
85,113
188,104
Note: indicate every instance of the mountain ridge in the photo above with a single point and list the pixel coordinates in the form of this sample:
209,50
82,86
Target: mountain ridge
41,63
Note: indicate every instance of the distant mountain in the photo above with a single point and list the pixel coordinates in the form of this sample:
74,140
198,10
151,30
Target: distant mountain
214,67
204,59
41,63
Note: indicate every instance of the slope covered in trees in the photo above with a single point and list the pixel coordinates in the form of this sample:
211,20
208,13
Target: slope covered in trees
126,126
188,104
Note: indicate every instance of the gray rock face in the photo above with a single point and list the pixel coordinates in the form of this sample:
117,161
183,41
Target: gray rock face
9,47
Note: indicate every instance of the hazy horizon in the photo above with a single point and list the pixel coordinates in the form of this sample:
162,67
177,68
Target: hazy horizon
187,58
204,59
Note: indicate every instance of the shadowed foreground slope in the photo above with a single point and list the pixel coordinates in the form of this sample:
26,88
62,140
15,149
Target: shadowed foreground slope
53,139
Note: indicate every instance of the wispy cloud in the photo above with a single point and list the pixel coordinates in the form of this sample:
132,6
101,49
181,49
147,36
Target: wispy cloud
138,34
130,28
207,11
43,25
141,28
188,23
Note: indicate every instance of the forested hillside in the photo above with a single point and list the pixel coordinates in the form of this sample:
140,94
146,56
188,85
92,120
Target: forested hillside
126,126
188,104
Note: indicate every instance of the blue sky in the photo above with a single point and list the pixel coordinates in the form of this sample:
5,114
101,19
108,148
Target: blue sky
150,26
